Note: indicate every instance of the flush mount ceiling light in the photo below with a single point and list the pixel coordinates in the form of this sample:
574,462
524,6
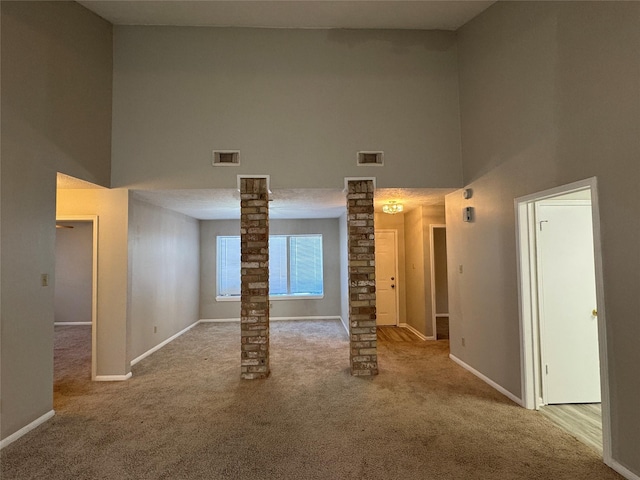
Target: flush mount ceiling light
392,208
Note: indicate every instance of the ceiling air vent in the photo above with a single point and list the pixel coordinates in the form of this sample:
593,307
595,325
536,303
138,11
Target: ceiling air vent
370,158
226,158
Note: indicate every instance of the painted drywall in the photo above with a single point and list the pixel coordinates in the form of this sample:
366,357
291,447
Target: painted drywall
384,221
431,215
416,282
56,116
164,274
73,272
417,224
112,209
549,94
330,305
298,104
344,270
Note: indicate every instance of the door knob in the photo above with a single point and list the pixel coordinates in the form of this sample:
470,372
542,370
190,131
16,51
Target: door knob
594,312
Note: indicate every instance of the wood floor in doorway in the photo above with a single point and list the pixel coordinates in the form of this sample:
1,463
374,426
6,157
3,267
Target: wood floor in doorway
397,334
583,421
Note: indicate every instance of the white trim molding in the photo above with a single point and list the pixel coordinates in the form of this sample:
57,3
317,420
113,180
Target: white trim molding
273,319
26,429
162,344
318,317
113,378
487,380
219,320
71,324
345,325
529,335
415,332
94,283
622,470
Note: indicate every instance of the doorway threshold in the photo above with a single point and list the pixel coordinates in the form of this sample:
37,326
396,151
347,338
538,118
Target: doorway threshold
581,420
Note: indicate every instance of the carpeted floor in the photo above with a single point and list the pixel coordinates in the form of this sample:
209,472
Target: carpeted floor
186,414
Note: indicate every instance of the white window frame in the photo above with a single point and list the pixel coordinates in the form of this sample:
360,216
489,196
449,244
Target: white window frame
297,296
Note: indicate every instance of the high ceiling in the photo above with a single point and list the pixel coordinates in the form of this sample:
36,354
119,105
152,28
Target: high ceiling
385,14
374,14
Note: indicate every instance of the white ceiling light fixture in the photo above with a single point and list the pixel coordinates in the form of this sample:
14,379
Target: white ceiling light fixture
392,208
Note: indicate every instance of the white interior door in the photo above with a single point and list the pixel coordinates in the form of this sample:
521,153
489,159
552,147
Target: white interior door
567,303
386,278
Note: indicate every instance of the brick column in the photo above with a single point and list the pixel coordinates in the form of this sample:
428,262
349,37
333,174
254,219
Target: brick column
362,282
254,278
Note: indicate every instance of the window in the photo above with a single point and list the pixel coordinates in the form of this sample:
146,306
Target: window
228,266
295,266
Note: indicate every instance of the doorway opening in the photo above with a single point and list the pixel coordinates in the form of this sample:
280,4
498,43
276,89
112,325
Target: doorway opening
439,285
76,297
562,312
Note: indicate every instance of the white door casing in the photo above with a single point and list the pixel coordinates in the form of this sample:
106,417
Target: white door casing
567,302
386,277
531,373
94,285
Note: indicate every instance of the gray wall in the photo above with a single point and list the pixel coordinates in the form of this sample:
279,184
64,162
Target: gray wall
56,116
74,272
416,281
298,104
164,274
418,266
344,270
330,305
549,94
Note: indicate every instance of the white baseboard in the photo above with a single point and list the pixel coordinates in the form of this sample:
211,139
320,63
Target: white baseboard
415,332
67,324
345,325
318,317
625,472
487,380
162,344
112,378
272,319
26,429
219,320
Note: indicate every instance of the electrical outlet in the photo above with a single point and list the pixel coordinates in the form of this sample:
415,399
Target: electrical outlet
155,329
44,279
464,342
460,269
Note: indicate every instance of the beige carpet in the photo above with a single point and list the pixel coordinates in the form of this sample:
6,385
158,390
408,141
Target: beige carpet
186,414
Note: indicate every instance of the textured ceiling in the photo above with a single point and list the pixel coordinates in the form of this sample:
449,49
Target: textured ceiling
224,203
385,14
221,204
67,182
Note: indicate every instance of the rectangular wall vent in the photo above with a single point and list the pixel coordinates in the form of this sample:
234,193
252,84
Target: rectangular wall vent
226,158
370,158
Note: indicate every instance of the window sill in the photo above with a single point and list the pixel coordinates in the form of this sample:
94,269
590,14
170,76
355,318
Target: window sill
274,298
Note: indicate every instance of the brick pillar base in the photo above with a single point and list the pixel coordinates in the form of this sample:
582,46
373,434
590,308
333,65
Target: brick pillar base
362,282
254,278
